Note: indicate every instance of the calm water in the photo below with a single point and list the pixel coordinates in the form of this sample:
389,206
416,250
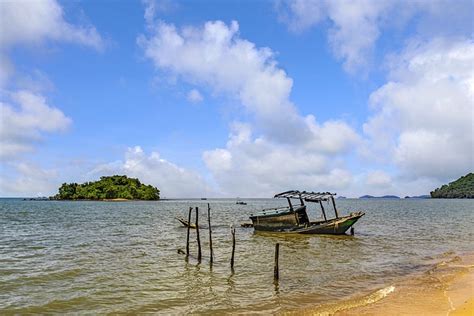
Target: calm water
98,257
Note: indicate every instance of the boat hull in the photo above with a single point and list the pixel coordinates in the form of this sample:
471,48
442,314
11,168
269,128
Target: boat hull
337,226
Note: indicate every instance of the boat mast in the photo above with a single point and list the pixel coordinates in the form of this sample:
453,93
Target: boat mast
334,205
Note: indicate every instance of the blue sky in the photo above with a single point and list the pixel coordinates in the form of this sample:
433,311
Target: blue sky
237,98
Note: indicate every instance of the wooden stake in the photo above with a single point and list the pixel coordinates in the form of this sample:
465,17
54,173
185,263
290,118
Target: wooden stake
276,274
189,227
197,235
232,230
210,232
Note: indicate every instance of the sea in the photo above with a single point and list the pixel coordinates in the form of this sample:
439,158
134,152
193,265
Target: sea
87,257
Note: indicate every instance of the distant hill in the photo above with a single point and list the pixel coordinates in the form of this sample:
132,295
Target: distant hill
108,188
462,188
418,197
379,197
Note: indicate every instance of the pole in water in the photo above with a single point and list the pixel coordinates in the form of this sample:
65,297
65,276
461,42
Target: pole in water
197,235
276,273
232,230
352,231
210,232
189,227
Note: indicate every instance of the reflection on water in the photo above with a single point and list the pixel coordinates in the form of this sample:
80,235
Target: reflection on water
110,257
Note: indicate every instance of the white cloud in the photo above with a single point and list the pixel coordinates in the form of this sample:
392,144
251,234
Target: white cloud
291,148
24,124
357,25
29,180
31,22
259,167
378,178
172,180
424,115
194,96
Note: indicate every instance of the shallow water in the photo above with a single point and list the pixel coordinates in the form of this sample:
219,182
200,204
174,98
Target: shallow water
122,257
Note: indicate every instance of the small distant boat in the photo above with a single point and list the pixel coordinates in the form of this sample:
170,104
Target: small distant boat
185,222
295,220
241,203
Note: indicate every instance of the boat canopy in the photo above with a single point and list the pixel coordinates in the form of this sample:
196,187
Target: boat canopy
307,196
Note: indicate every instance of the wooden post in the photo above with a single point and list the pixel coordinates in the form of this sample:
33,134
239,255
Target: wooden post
210,232
232,230
189,227
291,205
352,231
276,274
334,205
322,208
197,235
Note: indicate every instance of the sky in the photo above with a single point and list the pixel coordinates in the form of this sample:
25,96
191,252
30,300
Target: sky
237,98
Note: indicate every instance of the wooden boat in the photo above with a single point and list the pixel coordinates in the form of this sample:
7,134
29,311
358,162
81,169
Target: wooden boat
294,219
185,222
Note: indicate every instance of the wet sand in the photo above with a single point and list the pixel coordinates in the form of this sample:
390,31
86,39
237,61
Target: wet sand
445,289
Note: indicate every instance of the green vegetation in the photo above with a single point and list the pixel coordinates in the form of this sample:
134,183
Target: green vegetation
114,187
461,188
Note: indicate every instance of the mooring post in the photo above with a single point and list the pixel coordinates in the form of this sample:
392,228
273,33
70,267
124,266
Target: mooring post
352,231
189,227
232,230
210,232
276,274
197,235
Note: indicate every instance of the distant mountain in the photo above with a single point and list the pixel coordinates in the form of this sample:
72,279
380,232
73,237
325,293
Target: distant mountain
418,197
462,188
379,197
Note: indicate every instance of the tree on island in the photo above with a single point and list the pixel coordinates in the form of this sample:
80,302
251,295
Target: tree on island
113,187
459,189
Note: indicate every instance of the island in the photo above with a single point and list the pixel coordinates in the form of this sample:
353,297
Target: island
379,197
462,188
117,187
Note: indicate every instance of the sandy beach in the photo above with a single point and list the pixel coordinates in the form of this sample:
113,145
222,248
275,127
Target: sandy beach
446,289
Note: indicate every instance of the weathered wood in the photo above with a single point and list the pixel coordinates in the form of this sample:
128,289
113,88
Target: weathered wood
197,235
322,209
289,202
232,230
181,252
352,231
210,232
276,272
334,205
189,227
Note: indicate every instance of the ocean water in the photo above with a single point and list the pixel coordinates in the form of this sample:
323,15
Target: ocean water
109,257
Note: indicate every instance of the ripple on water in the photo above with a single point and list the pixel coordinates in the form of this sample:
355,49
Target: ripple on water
122,257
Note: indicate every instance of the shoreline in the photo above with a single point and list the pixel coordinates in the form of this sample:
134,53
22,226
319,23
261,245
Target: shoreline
447,289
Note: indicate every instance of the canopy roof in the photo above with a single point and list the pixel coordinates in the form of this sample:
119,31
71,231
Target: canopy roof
307,196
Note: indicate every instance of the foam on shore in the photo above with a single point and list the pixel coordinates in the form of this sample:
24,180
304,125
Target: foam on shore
446,289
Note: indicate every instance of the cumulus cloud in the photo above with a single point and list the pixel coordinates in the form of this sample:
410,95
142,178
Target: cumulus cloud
355,26
215,56
424,114
29,180
378,178
194,96
31,22
172,180
24,123
258,167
